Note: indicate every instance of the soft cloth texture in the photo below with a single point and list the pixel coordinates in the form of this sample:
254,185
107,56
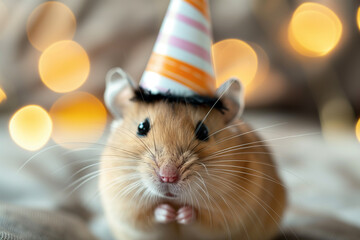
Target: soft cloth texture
19,223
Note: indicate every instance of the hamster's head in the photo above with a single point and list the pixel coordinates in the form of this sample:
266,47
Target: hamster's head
158,145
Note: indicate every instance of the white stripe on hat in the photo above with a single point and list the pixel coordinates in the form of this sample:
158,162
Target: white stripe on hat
186,32
191,12
161,84
166,49
181,61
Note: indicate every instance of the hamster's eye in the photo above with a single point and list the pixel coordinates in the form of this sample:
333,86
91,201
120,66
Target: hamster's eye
201,131
144,128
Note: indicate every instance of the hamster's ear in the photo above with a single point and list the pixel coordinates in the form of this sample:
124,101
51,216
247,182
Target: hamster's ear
119,90
233,98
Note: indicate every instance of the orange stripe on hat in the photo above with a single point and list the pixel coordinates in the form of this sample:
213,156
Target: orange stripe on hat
200,5
183,73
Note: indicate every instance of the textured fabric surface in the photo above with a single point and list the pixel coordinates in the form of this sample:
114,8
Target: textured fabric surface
19,223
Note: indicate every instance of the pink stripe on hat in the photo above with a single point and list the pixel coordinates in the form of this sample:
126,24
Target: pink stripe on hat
193,23
187,46
182,52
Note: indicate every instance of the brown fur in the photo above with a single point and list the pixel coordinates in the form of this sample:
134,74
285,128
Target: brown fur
241,199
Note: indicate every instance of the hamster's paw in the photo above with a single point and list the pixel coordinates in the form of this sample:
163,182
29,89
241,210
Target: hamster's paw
164,213
186,215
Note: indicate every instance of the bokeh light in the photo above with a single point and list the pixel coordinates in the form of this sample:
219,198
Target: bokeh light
314,30
358,18
2,95
358,130
234,58
30,127
64,66
50,22
261,73
78,118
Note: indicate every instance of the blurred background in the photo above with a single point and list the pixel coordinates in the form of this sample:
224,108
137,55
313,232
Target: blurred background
299,61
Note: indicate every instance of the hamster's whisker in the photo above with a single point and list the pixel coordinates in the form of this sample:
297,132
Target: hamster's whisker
75,162
243,189
198,206
277,139
143,198
96,164
119,181
252,196
116,149
240,161
241,134
148,148
231,173
147,109
236,148
135,138
223,215
189,164
135,195
69,152
194,196
238,218
212,107
254,183
216,156
35,155
204,200
203,182
225,128
95,158
127,190
112,183
235,173
146,198
191,195
84,179
248,207
204,166
216,132
238,167
94,144
260,163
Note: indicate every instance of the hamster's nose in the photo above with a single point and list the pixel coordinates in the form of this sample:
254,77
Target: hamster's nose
169,173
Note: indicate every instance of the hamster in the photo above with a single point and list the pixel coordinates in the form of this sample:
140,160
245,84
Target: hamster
177,170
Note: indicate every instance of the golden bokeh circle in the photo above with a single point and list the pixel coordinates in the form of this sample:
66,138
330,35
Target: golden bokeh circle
314,30
358,18
234,58
357,130
50,22
2,95
261,73
64,66
30,127
79,118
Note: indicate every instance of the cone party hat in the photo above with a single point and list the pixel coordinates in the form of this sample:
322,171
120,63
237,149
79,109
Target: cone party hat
181,62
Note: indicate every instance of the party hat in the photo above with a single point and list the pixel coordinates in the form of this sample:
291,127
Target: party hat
181,62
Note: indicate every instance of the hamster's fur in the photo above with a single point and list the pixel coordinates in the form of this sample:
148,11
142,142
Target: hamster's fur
229,181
